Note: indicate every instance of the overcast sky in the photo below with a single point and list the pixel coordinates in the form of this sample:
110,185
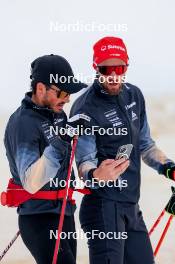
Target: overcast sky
27,32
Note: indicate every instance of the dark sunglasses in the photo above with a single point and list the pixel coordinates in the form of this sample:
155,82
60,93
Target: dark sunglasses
60,94
118,69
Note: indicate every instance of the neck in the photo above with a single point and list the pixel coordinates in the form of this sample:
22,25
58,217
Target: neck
36,100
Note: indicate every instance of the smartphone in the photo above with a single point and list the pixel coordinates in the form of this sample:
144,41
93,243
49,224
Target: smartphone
124,152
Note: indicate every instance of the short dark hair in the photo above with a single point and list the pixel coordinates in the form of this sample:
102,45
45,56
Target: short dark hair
33,85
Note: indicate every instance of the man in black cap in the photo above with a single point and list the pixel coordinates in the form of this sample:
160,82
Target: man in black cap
36,157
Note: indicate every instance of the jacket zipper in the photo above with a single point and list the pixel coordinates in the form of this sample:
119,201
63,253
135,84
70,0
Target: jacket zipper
127,119
129,126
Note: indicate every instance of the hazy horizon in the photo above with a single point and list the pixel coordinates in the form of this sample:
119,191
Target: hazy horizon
70,29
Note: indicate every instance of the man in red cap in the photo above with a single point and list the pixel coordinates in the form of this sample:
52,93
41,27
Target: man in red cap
111,215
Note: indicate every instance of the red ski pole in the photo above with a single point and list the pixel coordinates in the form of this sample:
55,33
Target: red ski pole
9,245
163,235
60,225
157,222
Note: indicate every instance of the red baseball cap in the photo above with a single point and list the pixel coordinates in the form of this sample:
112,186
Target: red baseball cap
107,48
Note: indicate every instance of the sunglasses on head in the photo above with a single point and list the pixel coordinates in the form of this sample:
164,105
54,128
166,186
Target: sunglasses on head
60,94
118,69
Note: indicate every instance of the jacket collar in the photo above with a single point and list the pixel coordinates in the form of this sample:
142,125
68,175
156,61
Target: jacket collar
29,104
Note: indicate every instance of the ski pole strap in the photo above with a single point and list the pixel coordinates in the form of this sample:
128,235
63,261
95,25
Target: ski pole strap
83,191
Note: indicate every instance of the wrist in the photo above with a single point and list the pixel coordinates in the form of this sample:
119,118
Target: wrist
170,173
92,173
168,170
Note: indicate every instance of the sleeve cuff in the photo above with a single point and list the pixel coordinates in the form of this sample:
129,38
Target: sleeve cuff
89,180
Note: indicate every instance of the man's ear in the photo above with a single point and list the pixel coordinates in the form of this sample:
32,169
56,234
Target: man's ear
40,89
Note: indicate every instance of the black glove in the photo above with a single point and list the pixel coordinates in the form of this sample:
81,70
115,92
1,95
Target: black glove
168,170
75,127
170,208
54,139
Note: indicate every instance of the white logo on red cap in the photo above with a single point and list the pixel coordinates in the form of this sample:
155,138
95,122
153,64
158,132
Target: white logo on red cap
103,48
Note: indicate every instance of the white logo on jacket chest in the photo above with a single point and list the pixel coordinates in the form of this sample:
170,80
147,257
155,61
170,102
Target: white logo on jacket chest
129,108
57,120
130,105
112,116
134,116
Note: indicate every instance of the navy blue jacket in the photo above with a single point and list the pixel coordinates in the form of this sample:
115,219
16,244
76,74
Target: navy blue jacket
35,157
125,111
